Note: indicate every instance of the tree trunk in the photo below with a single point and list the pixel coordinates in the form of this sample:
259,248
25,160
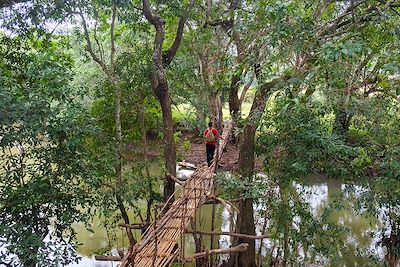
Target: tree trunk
392,247
244,91
286,225
212,259
220,121
160,85
125,217
247,226
169,142
341,124
160,88
118,135
113,78
150,200
118,163
141,109
234,103
30,263
245,221
246,152
198,242
213,106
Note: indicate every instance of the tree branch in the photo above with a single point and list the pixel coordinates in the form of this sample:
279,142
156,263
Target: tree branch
10,3
89,48
112,33
367,15
148,14
228,233
134,226
138,8
245,89
170,53
228,205
234,5
239,248
361,66
101,50
333,24
173,178
227,24
208,12
321,7
107,258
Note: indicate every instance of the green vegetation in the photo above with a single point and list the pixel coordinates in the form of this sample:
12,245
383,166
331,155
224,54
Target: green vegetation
93,93
45,165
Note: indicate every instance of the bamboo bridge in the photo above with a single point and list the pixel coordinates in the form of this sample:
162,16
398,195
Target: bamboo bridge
159,245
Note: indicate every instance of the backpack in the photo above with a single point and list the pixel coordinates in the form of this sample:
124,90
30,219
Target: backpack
209,137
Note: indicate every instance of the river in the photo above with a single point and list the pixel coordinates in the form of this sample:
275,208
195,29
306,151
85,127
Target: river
317,191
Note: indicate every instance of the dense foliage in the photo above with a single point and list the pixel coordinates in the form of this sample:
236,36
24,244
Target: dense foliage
89,88
45,166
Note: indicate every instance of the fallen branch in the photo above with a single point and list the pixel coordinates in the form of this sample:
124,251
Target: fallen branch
228,205
239,248
107,258
134,225
228,233
187,165
173,178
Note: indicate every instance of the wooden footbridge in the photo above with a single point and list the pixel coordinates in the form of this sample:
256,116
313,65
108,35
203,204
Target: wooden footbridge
159,245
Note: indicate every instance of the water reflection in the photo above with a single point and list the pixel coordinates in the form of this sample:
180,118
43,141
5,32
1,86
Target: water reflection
318,191
90,261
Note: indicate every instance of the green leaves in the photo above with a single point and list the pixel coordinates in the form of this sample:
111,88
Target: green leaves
332,51
43,153
297,143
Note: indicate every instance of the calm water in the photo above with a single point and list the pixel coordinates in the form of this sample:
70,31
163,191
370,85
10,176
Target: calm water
318,192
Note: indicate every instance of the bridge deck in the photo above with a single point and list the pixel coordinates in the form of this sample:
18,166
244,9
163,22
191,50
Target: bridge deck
158,246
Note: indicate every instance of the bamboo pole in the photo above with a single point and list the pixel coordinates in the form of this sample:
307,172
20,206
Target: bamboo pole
155,238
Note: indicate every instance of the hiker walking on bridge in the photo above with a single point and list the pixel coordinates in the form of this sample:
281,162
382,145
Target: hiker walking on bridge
210,137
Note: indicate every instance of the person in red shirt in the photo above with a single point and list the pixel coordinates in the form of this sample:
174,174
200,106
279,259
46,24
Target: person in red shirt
211,142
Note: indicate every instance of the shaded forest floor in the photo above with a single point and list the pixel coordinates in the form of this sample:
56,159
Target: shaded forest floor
190,148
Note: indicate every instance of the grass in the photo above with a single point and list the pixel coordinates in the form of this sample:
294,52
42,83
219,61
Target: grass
186,112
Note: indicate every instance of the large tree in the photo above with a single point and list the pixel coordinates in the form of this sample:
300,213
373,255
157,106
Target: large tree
291,38
159,83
